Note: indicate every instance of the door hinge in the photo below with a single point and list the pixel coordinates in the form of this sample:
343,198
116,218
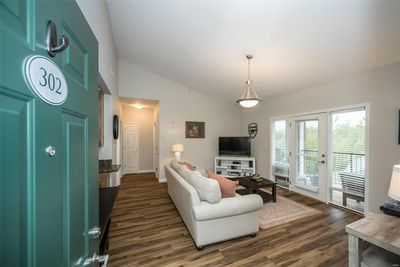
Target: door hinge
290,154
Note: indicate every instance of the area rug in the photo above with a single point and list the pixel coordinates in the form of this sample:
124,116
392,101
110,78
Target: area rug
282,211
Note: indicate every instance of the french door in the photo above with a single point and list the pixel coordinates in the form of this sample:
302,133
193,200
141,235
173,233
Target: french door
308,173
324,155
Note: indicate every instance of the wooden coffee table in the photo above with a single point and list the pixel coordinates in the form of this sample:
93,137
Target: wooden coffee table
253,187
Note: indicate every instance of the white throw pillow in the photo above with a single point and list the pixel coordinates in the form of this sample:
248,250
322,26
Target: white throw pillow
208,189
183,171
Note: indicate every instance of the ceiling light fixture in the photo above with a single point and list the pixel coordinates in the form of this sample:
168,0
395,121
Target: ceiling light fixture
249,97
138,106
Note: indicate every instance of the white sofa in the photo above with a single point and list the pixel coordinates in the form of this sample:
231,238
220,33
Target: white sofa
210,223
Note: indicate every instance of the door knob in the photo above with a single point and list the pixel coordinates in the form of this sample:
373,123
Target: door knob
51,40
322,161
51,151
94,232
97,259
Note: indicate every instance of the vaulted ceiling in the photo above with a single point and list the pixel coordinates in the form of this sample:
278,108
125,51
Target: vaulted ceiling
295,44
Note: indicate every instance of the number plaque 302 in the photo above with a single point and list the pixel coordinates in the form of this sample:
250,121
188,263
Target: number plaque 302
46,80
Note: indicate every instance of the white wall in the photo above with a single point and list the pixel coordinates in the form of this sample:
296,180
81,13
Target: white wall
380,88
178,104
96,14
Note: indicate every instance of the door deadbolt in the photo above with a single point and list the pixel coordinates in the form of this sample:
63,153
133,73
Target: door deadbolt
51,151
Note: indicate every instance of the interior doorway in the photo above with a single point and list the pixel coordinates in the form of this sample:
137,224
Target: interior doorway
140,142
131,147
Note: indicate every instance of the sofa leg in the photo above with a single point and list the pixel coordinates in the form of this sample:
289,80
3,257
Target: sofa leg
253,235
200,248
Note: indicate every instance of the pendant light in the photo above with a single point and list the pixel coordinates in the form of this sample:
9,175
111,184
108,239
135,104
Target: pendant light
249,97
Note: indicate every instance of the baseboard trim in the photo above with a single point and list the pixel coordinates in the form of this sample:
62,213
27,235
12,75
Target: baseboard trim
145,171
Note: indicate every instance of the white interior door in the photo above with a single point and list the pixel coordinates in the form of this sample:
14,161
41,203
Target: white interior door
308,156
131,147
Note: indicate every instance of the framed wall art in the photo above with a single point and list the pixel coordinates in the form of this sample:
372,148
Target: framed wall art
195,129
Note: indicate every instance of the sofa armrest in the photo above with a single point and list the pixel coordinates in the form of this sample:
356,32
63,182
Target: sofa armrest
227,207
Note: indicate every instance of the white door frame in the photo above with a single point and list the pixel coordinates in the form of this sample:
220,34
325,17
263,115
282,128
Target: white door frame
327,111
321,193
272,142
124,147
365,107
156,148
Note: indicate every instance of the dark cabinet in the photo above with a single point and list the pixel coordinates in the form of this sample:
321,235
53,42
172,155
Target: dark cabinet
107,198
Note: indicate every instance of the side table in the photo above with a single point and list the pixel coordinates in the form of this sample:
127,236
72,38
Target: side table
378,229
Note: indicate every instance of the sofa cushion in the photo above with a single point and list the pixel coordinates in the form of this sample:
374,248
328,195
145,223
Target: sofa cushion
227,207
228,187
175,165
183,171
207,189
189,165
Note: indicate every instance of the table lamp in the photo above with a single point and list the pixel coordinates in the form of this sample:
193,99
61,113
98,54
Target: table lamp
177,149
393,207
394,189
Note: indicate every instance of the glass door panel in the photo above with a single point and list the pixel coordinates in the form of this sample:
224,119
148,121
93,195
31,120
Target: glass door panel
347,158
280,152
308,160
307,157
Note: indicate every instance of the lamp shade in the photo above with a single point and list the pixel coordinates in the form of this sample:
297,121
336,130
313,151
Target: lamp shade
394,189
177,148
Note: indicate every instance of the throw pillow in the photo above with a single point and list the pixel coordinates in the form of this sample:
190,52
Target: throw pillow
181,169
175,165
227,186
207,189
189,165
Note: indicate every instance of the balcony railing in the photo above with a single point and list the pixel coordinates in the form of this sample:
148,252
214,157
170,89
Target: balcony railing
350,165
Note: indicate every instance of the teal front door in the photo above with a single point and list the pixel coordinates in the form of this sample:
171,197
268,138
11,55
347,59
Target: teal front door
48,153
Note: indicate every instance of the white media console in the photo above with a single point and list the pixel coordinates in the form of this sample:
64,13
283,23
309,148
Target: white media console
231,167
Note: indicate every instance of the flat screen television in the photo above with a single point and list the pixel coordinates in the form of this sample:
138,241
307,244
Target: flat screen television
234,146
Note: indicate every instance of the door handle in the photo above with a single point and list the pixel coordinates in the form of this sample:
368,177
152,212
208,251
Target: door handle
51,40
97,259
322,161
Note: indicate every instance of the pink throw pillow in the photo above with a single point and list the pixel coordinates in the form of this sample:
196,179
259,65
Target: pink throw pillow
227,186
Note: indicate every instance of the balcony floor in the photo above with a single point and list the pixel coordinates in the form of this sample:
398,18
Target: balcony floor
337,199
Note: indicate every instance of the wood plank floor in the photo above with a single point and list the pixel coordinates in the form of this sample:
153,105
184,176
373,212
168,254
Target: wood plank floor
147,230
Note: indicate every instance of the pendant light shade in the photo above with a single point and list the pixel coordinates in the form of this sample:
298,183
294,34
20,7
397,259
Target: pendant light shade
249,97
